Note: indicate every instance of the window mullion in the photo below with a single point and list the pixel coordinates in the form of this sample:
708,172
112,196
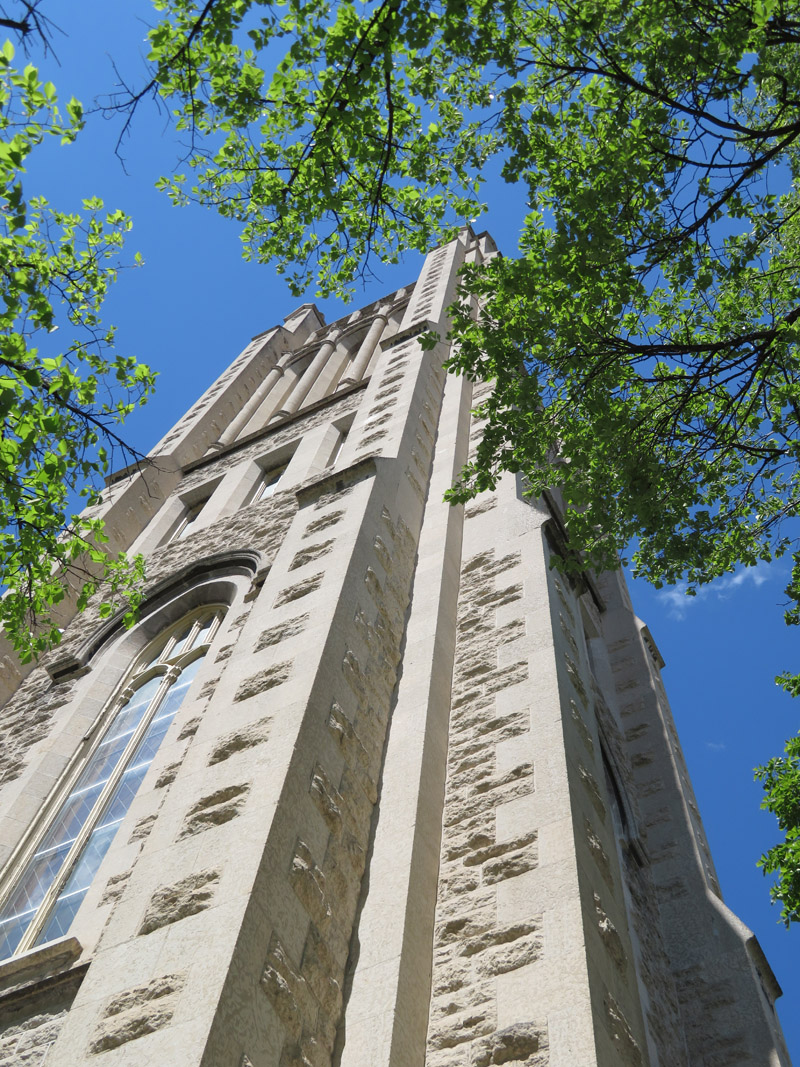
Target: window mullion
50,897
94,737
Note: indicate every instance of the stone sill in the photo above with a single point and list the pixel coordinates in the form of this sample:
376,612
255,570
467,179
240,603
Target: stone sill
38,963
336,480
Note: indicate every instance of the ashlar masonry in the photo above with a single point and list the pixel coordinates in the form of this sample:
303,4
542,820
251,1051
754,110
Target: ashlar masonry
370,784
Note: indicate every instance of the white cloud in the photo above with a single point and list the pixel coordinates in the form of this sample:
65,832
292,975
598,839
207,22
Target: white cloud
757,575
678,602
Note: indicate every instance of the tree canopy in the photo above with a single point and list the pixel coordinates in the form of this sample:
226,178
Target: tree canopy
648,331
643,346
60,402
781,780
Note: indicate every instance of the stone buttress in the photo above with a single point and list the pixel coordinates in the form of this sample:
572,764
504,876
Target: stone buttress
423,804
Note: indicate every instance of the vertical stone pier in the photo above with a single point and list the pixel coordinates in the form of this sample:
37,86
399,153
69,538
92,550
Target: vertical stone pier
422,803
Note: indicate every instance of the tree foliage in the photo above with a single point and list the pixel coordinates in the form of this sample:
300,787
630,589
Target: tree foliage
781,780
647,334
643,345
359,142
60,404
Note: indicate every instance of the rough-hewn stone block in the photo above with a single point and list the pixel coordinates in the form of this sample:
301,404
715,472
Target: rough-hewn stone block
171,903
265,680
215,809
136,1012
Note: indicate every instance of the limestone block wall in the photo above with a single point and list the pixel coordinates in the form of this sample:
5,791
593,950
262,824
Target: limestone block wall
423,804
387,986
301,940
554,943
27,717
52,711
605,830
249,835
130,503
514,964
135,496
635,902
475,942
31,1023
725,989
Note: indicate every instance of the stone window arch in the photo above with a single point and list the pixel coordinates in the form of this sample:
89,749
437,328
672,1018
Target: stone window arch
58,861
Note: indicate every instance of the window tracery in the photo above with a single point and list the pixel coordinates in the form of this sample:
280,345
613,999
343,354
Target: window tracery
62,859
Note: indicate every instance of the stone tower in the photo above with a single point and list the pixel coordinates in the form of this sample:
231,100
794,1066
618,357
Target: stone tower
369,784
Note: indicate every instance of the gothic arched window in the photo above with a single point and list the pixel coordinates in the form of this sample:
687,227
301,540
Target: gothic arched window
62,860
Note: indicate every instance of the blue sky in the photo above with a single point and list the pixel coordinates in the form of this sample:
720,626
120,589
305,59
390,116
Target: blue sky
194,306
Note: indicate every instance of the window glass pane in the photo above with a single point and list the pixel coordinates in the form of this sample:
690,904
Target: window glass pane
74,891
21,907
123,795
95,849
269,483
130,714
71,817
61,917
103,762
11,931
46,864
174,697
337,448
118,735
180,641
185,528
203,632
